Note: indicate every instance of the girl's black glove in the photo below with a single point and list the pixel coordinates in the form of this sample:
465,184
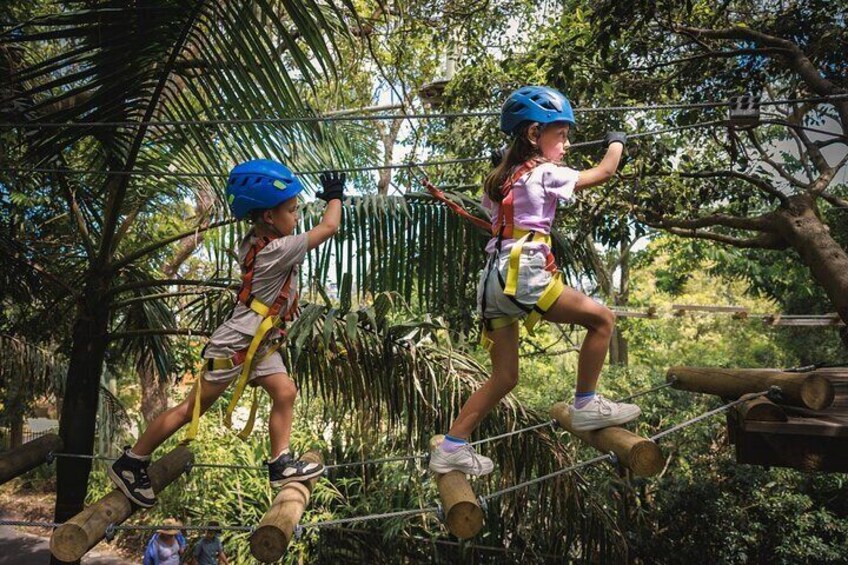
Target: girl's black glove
333,184
615,137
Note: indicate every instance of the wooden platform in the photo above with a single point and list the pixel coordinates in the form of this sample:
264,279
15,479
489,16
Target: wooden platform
807,440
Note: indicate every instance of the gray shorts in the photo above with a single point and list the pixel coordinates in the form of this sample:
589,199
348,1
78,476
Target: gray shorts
220,348
533,279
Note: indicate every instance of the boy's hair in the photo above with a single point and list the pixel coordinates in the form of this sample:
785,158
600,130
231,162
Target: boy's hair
519,151
213,527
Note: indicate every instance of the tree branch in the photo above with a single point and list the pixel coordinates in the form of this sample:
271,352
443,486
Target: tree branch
135,285
795,57
762,241
709,54
834,200
757,182
126,260
777,167
157,331
759,223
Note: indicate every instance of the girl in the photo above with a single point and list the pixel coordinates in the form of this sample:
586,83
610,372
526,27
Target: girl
520,280
245,345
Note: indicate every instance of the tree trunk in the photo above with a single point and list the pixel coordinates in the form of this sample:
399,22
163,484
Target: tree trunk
154,391
618,344
79,406
802,228
16,430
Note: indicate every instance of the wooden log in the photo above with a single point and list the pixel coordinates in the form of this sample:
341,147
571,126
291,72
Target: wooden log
463,515
28,456
271,538
74,538
811,390
761,410
640,455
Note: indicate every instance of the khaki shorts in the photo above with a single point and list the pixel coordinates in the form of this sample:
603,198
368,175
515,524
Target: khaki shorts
264,364
533,279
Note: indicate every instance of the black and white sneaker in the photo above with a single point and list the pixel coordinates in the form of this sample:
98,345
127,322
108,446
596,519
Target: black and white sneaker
130,475
286,469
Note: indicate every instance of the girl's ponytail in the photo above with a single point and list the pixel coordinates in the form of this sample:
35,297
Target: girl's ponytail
520,151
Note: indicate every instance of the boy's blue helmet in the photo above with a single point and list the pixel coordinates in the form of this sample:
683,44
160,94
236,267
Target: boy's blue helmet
535,104
258,185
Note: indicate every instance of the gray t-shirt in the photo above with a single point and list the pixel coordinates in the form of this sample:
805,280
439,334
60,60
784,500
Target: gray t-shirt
270,270
167,554
206,551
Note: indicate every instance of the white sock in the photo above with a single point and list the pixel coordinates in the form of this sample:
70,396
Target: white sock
133,455
283,452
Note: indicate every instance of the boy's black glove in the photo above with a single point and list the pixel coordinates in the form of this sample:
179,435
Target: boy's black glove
615,137
497,155
333,184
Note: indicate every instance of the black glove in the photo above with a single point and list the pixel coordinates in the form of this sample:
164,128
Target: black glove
497,155
333,184
615,137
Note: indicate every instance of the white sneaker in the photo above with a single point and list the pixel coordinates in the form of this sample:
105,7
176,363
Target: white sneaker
602,413
464,459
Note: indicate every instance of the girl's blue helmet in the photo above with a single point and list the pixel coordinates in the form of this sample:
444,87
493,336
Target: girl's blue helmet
535,104
258,185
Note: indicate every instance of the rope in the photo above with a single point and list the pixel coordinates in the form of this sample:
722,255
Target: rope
408,165
370,517
705,415
431,509
575,467
413,116
29,523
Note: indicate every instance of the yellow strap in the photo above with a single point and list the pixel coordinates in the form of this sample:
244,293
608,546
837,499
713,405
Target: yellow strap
243,435
259,307
195,413
548,298
494,324
522,236
263,329
511,286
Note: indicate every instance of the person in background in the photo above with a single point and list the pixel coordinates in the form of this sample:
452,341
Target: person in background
209,550
166,546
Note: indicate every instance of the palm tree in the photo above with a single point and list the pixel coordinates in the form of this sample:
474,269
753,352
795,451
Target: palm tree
95,244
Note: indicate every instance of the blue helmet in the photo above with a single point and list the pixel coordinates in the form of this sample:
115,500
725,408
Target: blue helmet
535,104
258,185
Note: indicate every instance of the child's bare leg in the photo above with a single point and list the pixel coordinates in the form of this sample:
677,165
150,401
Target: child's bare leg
283,393
504,354
573,307
175,418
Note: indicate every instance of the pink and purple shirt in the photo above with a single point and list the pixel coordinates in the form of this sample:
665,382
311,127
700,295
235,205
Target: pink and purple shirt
535,197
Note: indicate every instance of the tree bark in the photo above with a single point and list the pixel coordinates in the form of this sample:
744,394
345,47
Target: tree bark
79,406
803,229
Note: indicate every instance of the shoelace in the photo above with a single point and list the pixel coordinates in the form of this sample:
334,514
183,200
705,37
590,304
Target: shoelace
474,456
604,405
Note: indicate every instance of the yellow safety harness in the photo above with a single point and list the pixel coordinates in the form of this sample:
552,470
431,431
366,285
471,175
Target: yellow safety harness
504,228
247,357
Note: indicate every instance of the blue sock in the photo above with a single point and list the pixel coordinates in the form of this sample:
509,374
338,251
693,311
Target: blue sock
581,399
451,444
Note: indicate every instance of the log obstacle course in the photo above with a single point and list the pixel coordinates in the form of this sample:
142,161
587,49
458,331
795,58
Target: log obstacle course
74,538
274,533
463,515
812,390
640,455
28,456
804,427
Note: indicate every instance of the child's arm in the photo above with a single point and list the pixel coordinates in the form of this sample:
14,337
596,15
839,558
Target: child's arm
332,194
609,164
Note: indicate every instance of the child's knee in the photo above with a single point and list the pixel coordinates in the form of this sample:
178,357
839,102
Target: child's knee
286,392
605,321
505,381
